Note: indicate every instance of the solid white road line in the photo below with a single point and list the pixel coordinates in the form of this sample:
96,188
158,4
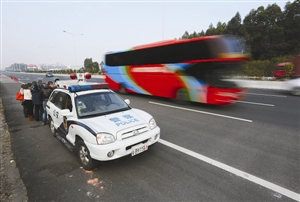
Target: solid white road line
202,112
256,103
266,95
247,176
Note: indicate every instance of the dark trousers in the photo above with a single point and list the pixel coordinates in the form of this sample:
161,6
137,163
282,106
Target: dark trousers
38,112
29,108
24,109
44,118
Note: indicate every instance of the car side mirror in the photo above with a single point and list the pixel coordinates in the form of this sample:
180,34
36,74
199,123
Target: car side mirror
66,112
127,101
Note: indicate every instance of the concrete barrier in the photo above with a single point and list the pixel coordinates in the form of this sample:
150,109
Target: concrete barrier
274,85
259,84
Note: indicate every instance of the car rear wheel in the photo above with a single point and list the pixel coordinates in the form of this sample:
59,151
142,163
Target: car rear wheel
84,156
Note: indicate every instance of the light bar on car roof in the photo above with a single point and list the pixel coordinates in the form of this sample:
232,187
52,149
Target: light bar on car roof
83,87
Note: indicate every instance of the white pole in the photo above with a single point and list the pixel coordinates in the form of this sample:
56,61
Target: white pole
163,21
74,44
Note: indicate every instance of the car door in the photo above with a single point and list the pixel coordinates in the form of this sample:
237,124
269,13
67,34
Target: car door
67,104
59,104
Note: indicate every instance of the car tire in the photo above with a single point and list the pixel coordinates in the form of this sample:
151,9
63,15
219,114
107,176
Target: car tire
84,156
296,91
51,126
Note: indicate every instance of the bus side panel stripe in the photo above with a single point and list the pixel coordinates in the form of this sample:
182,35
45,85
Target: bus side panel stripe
122,75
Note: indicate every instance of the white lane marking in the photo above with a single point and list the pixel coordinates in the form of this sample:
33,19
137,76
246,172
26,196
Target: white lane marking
256,103
193,110
247,176
266,95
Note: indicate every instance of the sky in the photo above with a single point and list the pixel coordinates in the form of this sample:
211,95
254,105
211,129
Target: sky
32,32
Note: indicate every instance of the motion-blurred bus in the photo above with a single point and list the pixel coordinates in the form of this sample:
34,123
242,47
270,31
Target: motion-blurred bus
184,69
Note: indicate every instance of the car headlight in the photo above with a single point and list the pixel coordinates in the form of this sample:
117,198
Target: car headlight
105,138
152,123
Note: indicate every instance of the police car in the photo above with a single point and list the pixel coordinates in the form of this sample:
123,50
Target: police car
94,121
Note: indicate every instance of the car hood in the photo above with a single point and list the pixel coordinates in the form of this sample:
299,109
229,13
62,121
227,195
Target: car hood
113,123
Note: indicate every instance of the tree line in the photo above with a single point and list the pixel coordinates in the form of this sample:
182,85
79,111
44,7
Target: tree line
271,35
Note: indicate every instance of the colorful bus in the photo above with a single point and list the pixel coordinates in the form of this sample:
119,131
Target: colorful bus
184,69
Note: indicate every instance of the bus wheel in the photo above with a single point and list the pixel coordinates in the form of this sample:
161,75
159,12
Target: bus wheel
182,96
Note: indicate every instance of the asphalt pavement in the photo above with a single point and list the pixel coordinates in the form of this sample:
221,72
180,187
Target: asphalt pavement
12,187
156,175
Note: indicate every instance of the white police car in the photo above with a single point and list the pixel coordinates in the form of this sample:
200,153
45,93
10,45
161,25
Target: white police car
94,121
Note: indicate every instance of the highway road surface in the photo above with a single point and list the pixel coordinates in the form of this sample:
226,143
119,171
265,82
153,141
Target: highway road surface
248,151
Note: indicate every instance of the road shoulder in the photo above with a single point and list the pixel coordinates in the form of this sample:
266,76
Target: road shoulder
12,187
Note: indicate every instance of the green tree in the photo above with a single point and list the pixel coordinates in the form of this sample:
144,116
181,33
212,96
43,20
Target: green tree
221,28
291,24
185,35
202,33
87,64
255,27
288,69
211,30
90,66
235,27
265,32
255,68
269,33
274,31
81,70
194,35
95,67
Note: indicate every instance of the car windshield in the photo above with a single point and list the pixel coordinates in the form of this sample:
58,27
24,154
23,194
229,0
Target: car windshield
101,103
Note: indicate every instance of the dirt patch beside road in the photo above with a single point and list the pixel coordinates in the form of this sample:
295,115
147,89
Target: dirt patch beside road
12,187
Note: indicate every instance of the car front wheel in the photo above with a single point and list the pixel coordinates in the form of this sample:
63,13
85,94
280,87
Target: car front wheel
84,156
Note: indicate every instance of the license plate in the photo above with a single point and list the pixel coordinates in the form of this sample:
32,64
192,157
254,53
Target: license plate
139,149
